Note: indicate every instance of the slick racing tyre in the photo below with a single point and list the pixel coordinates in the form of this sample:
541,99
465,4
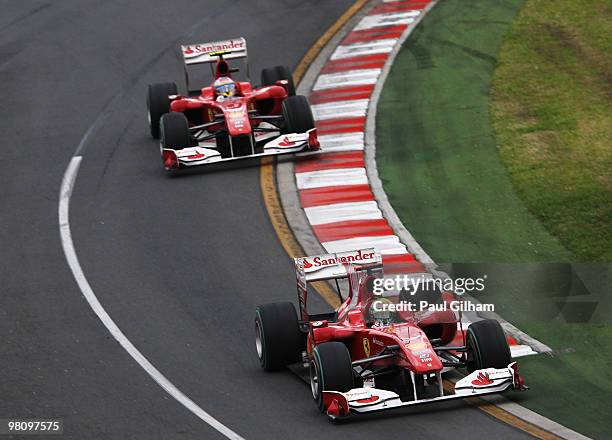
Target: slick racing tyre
174,131
270,76
297,115
158,104
278,338
330,370
487,346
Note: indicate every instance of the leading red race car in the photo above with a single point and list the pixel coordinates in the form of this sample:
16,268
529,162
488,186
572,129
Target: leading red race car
375,352
228,119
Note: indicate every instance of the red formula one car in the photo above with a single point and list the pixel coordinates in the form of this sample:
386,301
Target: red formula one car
229,119
375,352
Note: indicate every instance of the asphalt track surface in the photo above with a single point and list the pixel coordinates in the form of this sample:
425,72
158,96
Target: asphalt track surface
179,264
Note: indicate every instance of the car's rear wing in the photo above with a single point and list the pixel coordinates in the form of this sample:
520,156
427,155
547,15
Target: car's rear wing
209,53
331,267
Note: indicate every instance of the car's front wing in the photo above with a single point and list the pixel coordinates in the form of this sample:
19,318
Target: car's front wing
202,155
366,400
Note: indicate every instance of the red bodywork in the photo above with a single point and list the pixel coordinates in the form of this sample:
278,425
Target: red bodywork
412,335
232,113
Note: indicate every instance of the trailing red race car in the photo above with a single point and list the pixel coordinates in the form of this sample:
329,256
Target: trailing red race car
228,119
375,352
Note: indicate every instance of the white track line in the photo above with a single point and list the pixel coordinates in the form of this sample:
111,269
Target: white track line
340,109
334,177
368,48
342,142
390,19
359,77
385,244
73,261
339,212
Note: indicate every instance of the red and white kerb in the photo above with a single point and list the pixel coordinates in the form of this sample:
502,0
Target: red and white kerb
334,188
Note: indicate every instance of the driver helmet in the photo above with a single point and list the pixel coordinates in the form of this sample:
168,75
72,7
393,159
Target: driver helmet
380,313
225,86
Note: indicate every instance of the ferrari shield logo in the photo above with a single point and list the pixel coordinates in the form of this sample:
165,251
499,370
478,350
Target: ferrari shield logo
366,346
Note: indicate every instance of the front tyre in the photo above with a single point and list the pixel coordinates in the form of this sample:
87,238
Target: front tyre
278,338
331,369
158,104
487,346
174,131
297,115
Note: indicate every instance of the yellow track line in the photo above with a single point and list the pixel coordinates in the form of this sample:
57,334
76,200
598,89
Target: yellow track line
503,415
287,239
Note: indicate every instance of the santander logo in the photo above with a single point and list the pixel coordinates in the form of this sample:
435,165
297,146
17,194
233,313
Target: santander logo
329,260
482,380
213,47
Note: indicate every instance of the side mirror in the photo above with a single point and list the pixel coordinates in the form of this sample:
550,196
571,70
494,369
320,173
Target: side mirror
319,324
283,83
354,317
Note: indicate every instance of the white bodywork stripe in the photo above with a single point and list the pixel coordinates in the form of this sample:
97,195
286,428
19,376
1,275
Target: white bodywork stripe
339,212
340,109
358,77
333,177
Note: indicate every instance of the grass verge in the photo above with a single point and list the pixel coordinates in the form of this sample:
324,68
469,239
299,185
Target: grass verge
552,115
436,149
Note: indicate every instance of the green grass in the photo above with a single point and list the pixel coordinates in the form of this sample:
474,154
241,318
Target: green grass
436,149
552,115
574,386
464,202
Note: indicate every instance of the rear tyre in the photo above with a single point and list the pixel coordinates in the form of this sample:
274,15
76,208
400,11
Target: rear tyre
487,346
174,131
278,338
330,370
297,115
270,76
158,104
